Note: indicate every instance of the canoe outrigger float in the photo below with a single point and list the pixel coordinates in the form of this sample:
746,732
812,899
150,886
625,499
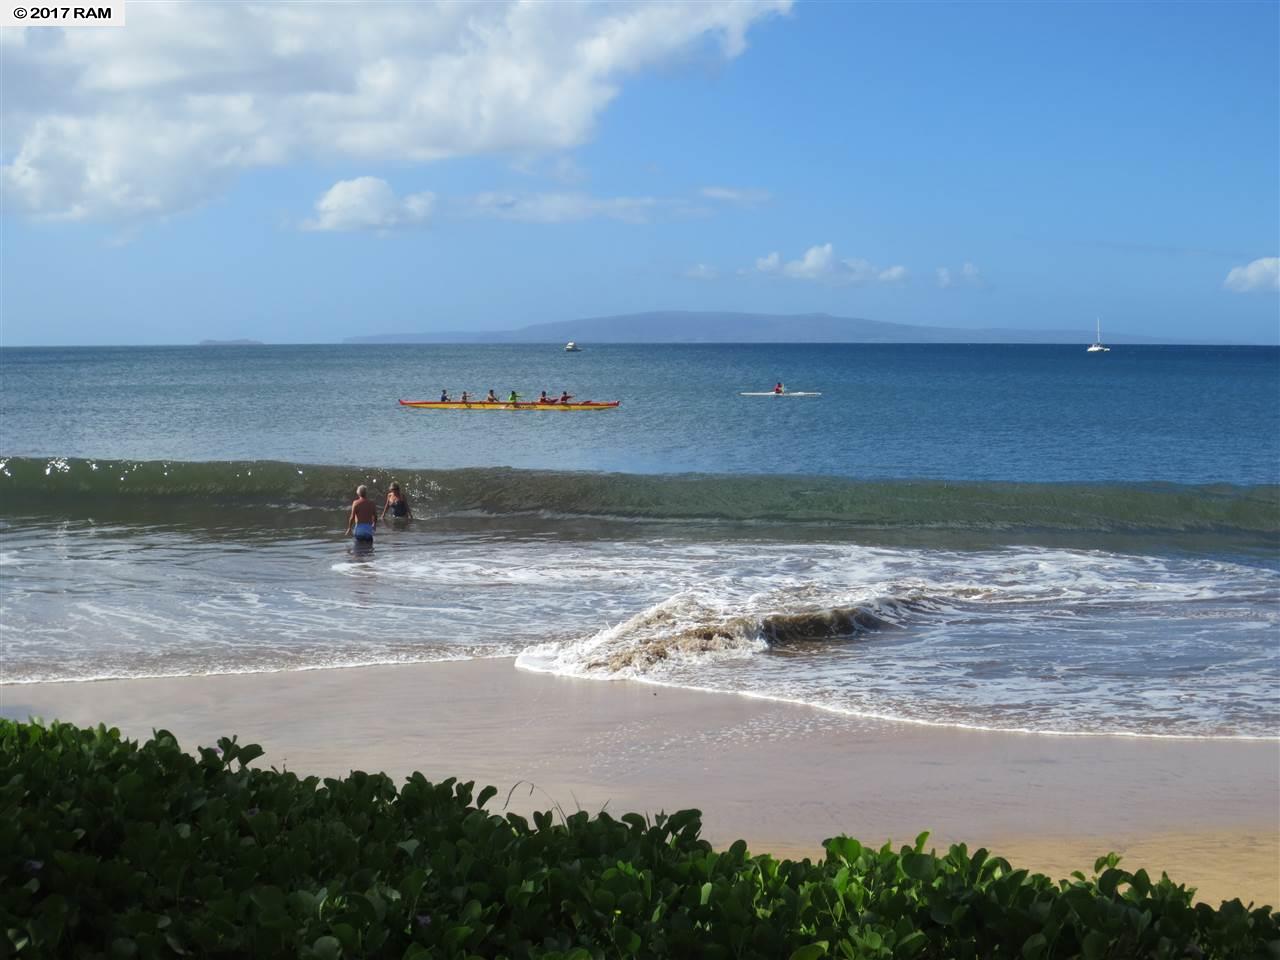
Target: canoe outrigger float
503,405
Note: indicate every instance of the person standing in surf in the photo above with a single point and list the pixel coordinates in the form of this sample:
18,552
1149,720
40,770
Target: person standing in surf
363,517
397,503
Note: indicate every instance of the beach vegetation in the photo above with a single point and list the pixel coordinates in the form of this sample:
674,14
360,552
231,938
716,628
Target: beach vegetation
113,848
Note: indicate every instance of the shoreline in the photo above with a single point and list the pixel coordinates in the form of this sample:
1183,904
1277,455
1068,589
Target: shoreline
780,775
851,715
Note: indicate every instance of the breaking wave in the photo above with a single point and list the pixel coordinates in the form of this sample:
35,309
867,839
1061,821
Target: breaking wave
1050,641
696,626
61,483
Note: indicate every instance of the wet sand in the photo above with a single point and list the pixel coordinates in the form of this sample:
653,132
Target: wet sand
782,776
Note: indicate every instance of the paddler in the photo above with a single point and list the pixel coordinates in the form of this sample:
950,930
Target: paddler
565,396
492,397
514,398
778,387
444,396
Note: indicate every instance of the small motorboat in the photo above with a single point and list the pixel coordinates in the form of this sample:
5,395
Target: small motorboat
572,347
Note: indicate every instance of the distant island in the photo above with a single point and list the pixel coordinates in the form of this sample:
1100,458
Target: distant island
230,343
681,326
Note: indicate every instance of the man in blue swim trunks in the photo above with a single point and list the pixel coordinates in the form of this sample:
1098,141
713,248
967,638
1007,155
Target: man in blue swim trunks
363,518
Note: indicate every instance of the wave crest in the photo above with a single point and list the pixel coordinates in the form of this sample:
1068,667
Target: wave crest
691,628
30,482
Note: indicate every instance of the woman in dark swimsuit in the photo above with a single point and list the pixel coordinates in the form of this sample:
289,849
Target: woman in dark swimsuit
397,503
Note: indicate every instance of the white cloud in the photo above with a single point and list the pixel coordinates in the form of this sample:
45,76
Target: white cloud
157,118
563,169
967,275
769,264
744,198
702,271
1261,274
814,265
562,207
820,263
368,203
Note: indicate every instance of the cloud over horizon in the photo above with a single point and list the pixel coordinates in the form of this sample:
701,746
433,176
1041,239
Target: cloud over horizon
821,264
1260,274
702,271
562,207
140,123
368,203
743,198
967,275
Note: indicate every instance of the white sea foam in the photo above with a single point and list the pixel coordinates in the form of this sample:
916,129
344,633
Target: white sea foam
1018,638
1044,640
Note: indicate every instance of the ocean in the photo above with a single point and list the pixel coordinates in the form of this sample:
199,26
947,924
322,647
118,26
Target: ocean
1006,537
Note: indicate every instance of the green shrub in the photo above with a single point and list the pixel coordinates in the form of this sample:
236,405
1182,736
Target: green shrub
113,849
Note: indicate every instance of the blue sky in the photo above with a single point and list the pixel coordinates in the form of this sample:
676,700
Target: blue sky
313,172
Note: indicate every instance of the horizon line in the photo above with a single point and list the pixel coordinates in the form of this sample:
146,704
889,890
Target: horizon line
368,341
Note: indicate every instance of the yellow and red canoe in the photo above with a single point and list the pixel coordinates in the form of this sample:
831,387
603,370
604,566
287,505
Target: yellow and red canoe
503,405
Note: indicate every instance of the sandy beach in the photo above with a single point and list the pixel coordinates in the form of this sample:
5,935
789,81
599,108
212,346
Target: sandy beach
781,776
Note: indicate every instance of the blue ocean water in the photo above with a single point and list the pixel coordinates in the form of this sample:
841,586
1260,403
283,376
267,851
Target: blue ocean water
1191,415
1002,536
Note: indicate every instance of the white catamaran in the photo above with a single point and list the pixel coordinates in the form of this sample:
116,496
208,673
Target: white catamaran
1096,346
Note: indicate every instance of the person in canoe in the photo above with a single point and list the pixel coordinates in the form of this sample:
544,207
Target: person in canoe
565,396
397,503
778,387
514,398
444,396
363,517
466,397
492,397
544,398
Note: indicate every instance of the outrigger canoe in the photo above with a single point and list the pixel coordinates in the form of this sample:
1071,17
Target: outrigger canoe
503,405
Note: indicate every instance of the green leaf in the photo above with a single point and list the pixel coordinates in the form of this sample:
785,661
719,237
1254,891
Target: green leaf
919,866
810,951
1106,860
248,753
843,848
327,948
346,935
1095,944
911,944
1035,946
454,936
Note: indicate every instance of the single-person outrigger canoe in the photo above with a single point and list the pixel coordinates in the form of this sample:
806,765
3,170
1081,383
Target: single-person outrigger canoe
503,405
